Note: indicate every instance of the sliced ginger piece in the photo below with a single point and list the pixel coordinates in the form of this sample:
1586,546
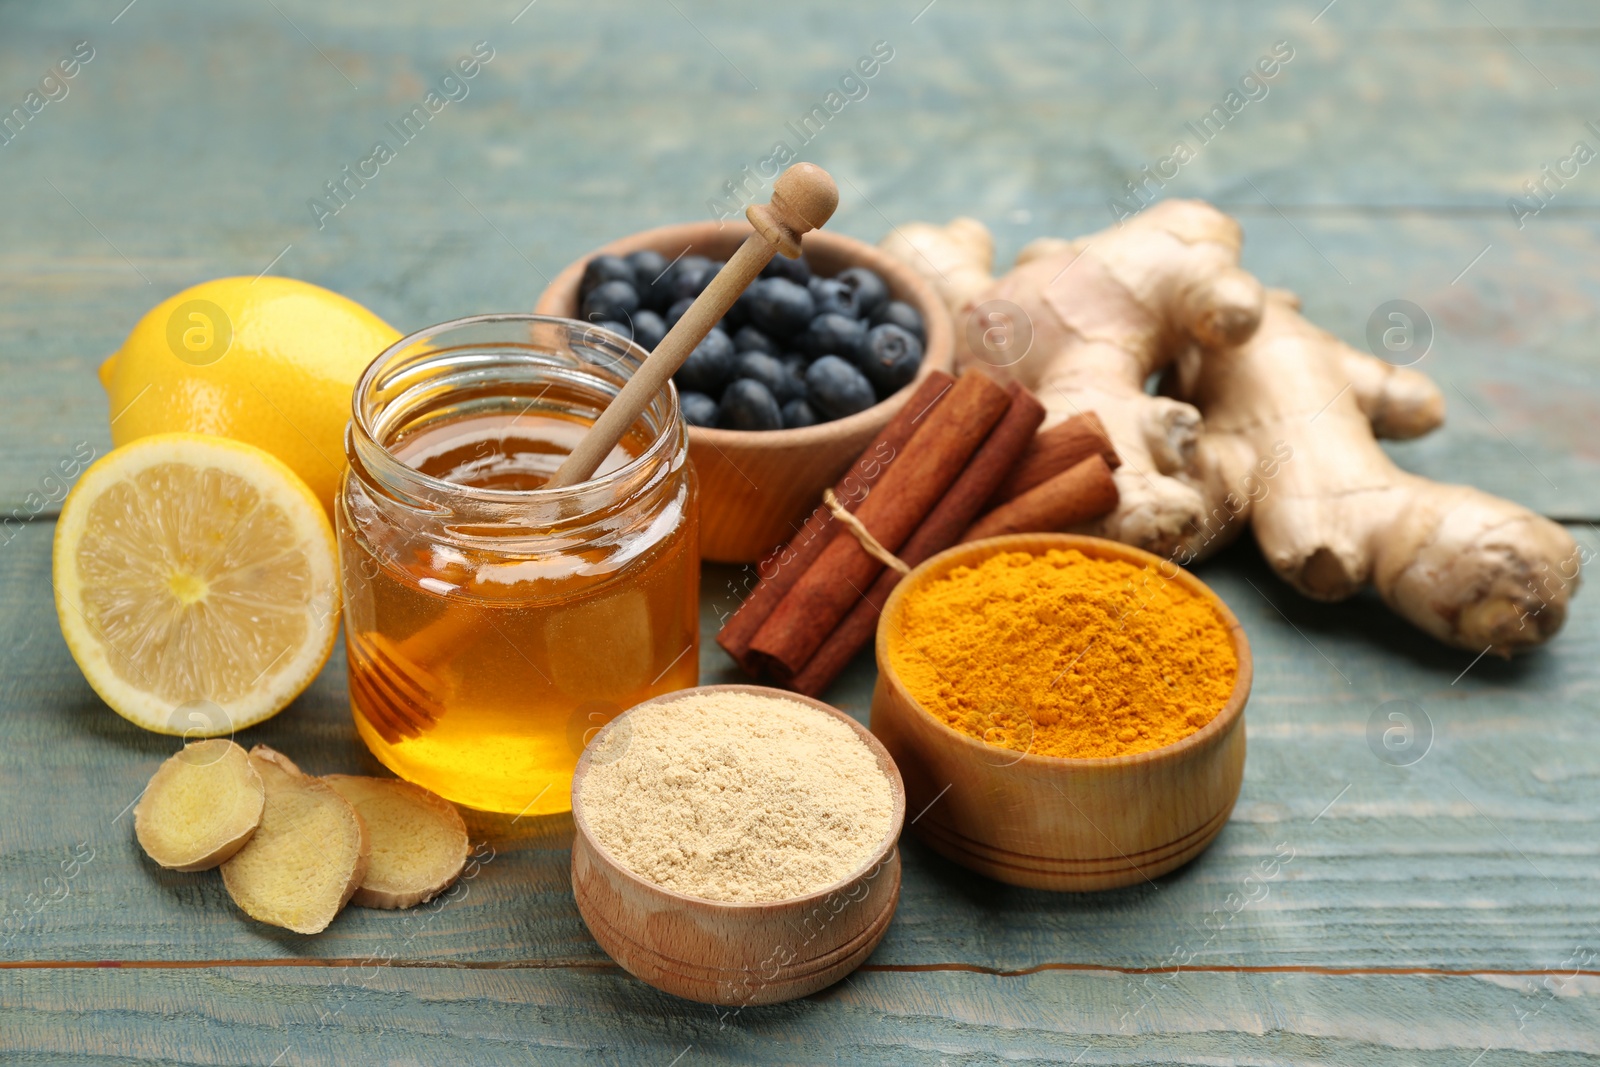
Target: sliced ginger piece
202,805
419,843
307,857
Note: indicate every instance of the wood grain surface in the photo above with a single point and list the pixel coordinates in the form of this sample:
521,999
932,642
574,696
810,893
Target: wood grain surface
1436,913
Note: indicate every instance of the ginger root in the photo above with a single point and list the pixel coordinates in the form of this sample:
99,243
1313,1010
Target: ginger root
1291,421
1289,445
1104,313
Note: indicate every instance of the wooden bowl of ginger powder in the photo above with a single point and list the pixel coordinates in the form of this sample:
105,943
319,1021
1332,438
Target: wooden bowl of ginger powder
736,845
1074,705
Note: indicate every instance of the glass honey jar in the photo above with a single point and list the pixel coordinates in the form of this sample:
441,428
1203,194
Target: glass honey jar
493,624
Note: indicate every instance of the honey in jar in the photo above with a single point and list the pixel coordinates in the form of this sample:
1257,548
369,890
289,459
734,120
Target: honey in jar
494,624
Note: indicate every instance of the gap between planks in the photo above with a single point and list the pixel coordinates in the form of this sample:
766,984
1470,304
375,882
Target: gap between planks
882,968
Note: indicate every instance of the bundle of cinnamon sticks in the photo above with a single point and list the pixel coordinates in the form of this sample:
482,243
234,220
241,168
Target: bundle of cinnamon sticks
963,459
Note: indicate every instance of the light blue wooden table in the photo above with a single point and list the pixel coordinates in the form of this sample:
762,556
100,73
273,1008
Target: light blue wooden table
1437,913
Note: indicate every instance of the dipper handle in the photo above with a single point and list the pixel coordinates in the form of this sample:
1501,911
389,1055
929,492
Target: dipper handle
803,198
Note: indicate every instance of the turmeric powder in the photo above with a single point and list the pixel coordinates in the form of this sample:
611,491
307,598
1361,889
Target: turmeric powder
1064,655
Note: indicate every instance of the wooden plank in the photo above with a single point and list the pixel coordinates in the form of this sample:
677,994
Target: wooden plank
368,1014
1393,867
1032,130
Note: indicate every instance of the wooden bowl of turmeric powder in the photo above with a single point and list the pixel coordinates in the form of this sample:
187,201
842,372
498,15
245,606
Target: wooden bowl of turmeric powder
1066,711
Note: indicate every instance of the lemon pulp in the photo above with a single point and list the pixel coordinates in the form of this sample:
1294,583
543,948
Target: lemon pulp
197,589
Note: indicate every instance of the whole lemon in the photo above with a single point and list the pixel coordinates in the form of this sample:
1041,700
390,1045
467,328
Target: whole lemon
270,361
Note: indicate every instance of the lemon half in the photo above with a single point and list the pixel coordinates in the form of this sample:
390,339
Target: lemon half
196,583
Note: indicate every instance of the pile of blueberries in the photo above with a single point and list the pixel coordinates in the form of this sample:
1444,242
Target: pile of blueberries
794,350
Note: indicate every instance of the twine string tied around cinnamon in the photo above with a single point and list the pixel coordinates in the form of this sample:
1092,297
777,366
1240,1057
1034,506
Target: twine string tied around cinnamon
869,544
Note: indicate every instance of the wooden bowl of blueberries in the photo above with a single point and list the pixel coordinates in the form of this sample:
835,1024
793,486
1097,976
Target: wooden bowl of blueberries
794,383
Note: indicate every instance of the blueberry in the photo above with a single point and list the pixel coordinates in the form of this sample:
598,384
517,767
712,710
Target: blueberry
796,270
779,307
691,275
698,409
890,357
835,389
675,312
648,329
797,413
602,269
830,294
902,315
834,334
871,293
781,382
747,405
655,292
610,302
738,313
664,289
796,363
647,267
688,262
621,329
708,367
750,339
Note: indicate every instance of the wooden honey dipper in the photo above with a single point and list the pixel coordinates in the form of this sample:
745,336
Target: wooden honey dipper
391,683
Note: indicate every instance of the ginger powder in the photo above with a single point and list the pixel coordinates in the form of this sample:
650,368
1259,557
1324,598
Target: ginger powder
736,796
1060,654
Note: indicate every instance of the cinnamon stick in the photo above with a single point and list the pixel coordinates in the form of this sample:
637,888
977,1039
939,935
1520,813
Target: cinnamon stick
781,568
1000,451
913,484
1061,447
1085,492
